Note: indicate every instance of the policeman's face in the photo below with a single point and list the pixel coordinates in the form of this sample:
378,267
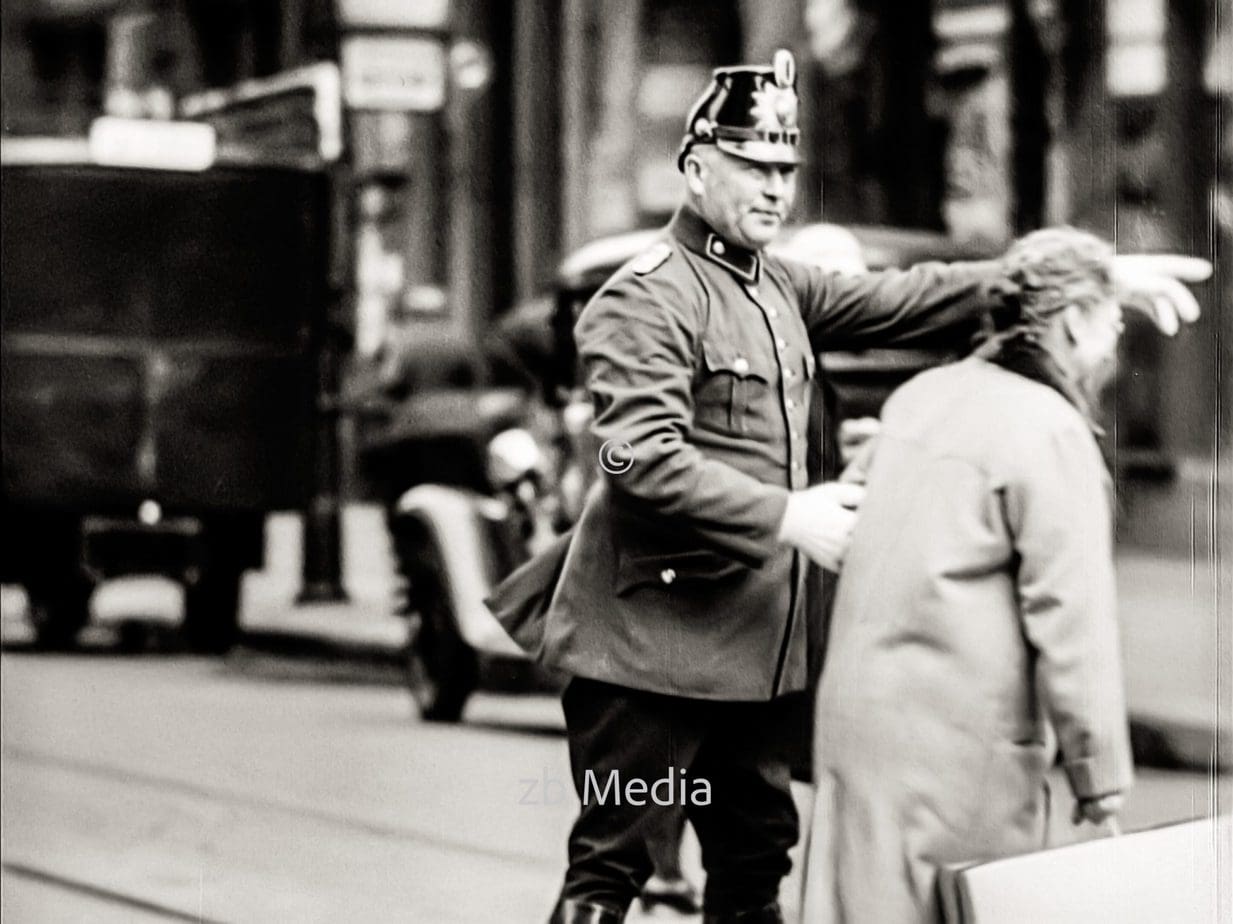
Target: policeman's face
744,201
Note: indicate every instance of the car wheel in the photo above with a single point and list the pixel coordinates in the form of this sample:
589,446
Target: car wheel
212,612
59,609
441,669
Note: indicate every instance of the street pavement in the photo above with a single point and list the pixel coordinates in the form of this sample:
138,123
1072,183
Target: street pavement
292,781
165,787
1178,649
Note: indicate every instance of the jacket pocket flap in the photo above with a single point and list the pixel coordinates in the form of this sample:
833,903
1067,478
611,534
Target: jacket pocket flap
717,359
667,570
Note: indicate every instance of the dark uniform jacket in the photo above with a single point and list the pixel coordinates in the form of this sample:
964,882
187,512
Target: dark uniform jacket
698,356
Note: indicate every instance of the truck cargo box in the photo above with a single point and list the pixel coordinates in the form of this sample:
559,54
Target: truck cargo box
158,335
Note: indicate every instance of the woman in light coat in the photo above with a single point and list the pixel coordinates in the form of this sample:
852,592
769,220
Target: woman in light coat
976,608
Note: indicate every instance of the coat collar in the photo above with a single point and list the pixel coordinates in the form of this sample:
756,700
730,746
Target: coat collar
692,230
1017,350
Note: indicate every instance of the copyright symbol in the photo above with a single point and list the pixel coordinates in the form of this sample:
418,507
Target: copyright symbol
616,457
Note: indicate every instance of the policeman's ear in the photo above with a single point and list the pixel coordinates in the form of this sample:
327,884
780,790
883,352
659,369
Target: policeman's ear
696,169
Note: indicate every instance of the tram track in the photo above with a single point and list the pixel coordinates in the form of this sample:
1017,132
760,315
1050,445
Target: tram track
172,790
218,795
101,893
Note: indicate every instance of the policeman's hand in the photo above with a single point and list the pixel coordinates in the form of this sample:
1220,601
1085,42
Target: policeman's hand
1152,284
819,521
1097,810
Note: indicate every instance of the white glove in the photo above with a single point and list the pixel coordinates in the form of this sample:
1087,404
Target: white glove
1152,284
819,521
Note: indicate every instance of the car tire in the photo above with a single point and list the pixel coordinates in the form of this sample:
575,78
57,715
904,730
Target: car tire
212,611
59,610
441,670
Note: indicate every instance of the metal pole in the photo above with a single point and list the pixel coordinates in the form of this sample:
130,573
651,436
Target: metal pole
322,537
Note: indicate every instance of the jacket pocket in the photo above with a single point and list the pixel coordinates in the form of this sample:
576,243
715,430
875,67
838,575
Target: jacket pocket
668,570
731,384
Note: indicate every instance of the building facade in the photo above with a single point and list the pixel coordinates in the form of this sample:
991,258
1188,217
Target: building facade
488,138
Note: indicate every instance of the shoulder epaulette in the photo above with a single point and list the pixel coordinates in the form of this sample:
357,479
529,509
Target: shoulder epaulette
651,259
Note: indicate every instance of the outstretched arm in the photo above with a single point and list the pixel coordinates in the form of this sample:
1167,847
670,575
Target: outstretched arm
894,307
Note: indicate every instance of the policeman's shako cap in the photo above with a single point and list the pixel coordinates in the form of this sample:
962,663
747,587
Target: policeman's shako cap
748,112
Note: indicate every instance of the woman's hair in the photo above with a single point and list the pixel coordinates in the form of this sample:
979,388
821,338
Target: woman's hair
1047,270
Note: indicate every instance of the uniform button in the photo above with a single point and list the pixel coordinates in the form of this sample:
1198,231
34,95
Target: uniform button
741,364
788,373
781,343
668,575
718,248
789,403
795,465
793,434
772,312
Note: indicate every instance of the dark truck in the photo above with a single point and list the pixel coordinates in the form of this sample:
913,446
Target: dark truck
159,334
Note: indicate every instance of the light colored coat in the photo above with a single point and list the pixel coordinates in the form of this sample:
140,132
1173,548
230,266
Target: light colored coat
976,607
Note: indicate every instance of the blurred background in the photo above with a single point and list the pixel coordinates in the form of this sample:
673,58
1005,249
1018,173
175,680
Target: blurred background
288,385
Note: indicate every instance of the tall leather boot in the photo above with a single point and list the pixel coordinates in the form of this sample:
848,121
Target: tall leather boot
771,914
572,911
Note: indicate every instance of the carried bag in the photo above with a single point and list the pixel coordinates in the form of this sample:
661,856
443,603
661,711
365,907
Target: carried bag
1174,873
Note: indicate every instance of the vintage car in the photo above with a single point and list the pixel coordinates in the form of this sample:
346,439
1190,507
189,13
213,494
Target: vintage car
476,481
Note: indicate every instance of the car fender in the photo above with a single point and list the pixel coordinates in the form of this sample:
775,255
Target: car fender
453,519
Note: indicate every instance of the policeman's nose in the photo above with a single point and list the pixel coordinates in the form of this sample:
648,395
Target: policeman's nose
776,184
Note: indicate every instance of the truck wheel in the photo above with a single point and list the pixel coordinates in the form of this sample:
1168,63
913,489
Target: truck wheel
59,610
441,669
212,612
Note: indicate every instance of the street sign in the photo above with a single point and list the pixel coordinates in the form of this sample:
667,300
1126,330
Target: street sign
398,72
394,14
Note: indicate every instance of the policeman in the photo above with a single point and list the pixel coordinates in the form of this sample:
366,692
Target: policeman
678,608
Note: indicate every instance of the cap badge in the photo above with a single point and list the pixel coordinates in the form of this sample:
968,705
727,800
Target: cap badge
774,108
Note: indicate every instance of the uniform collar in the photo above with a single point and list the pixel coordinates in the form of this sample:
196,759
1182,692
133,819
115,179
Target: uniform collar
691,229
